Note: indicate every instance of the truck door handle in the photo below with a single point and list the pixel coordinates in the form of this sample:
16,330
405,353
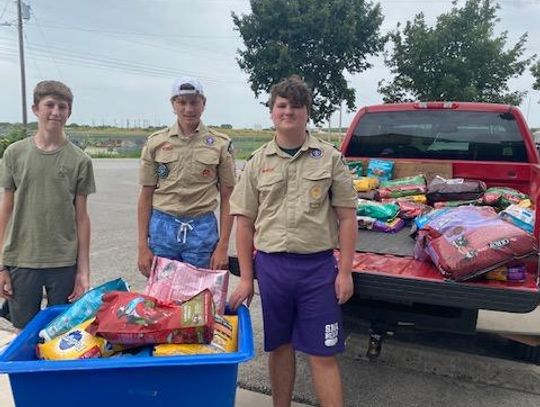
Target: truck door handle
512,174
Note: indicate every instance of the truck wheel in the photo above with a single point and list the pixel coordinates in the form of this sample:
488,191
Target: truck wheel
525,352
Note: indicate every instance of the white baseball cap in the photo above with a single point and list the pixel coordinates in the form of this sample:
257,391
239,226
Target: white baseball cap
197,88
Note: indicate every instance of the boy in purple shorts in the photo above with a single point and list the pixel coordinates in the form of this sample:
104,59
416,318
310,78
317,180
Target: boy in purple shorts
294,202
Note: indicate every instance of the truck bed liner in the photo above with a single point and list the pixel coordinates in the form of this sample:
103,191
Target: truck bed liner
400,243
405,280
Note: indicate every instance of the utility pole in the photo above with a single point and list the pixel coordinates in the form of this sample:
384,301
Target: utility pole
21,61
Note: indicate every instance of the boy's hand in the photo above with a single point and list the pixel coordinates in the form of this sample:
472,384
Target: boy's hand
144,261
220,258
82,283
244,292
344,287
6,291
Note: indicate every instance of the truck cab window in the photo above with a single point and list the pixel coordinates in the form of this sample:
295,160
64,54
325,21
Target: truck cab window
444,134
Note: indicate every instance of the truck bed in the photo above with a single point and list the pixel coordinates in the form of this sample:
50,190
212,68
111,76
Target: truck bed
384,270
400,244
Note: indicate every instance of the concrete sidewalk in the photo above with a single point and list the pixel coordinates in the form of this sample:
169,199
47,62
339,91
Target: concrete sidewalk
244,398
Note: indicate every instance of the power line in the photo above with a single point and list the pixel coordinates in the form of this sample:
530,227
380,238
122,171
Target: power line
115,64
36,66
134,33
47,44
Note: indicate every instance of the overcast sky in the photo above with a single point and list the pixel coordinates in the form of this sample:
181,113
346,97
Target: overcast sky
120,56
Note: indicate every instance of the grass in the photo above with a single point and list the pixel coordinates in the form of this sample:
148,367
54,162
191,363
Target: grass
245,141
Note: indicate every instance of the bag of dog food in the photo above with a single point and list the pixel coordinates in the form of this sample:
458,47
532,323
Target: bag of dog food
365,184
381,169
523,218
356,168
377,210
76,344
456,189
468,241
135,319
225,340
502,197
81,310
175,281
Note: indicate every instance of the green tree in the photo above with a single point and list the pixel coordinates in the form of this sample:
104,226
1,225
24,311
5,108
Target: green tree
13,135
458,59
535,71
319,40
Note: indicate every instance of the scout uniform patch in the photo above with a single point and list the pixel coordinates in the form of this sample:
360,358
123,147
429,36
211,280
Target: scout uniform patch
162,171
209,140
316,153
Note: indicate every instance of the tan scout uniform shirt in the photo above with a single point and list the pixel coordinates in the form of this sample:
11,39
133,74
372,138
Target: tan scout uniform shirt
290,199
187,171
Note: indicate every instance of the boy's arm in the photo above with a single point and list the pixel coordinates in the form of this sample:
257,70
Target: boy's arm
220,257
82,279
347,245
144,210
245,230
6,209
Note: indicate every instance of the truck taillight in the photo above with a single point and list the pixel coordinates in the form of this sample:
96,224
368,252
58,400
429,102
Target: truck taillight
435,105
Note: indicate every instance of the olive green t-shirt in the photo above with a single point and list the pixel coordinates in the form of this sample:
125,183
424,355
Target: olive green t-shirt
42,231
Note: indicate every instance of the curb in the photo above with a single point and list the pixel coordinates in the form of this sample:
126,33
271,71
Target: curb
456,365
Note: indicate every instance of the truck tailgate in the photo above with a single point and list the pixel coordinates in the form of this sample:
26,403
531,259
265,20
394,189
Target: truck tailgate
401,279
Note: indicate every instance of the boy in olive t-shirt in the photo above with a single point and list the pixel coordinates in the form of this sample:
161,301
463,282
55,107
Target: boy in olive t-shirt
44,223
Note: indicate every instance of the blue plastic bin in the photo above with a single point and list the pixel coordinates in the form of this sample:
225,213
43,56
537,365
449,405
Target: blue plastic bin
138,380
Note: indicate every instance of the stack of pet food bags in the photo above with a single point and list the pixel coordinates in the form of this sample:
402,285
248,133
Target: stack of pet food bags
173,320
467,242
385,204
511,205
174,281
65,337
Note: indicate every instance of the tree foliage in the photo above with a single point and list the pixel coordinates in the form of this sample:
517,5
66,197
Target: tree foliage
460,58
13,135
535,71
319,40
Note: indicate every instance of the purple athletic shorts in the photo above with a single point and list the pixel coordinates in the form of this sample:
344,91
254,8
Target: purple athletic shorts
299,302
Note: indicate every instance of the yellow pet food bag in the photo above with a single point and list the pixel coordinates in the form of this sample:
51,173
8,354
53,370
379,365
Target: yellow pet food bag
225,339
76,344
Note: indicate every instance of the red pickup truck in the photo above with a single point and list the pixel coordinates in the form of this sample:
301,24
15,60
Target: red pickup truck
480,141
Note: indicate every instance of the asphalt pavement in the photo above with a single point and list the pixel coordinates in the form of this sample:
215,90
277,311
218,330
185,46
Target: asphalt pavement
411,371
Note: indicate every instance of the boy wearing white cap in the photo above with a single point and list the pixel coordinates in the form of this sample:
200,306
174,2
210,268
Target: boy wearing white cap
183,169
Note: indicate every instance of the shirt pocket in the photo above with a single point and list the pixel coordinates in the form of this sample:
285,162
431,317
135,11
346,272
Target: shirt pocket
316,187
166,165
205,166
271,189
66,175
